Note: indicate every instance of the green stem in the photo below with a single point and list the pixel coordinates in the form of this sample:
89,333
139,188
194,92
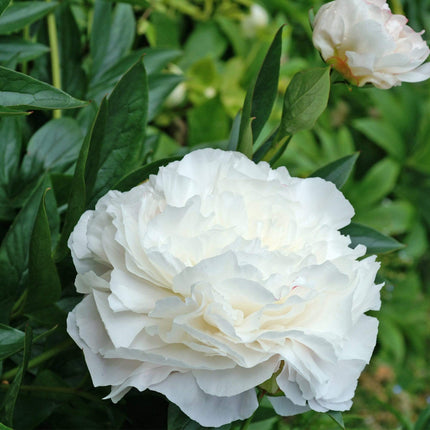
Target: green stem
40,358
19,305
396,7
55,56
25,36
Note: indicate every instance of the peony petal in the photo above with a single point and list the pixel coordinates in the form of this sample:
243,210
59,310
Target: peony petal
286,407
237,380
207,410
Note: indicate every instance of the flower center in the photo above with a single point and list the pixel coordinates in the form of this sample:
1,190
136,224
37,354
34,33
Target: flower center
342,67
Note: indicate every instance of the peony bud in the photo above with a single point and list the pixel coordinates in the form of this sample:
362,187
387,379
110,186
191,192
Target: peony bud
366,43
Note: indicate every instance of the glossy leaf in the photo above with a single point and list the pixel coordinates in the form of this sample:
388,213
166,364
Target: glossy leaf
111,148
19,49
3,5
6,111
336,416
20,14
266,86
12,393
14,251
160,85
11,341
20,91
140,175
384,135
118,133
375,242
54,147
44,286
111,37
338,171
305,100
260,97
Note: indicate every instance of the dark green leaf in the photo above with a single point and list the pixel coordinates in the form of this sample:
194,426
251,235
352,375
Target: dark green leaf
111,37
6,111
338,171
423,421
73,79
19,49
44,286
14,251
305,100
260,97
12,393
3,427
142,174
265,147
160,86
376,243
78,193
11,341
336,416
110,149
118,134
3,5
10,149
384,134
54,147
24,92
21,14
233,139
266,86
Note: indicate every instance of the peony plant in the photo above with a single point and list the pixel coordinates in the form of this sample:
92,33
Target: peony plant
366,43
211,278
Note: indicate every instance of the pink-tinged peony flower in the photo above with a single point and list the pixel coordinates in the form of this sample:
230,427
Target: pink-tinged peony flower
204,281
366,43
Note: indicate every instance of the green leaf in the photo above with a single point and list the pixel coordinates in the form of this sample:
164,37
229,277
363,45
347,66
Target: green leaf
6,111
142,174
423,421
3,427
3,5
119,130
20,91
78,193
305,100
110,149
375,242
54,147
112,36
20,14
14,251
338,171
10,149
12,393
207,122
266,86
19,49
384,135
160,85
378,182
205,41
260,97
11,341
44,287
336,416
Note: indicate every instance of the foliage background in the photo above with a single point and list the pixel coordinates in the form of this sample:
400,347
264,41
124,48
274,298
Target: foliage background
200,58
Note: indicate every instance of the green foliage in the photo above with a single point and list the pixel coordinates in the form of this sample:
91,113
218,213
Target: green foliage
142,84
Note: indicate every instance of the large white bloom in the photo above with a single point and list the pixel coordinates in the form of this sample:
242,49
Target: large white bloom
204,281
368,44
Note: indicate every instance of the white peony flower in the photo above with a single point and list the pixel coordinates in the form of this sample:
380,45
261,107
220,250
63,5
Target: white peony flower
365,42
204,281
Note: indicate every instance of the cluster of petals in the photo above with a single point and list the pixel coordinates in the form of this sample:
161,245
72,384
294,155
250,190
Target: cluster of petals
365,42
216,274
